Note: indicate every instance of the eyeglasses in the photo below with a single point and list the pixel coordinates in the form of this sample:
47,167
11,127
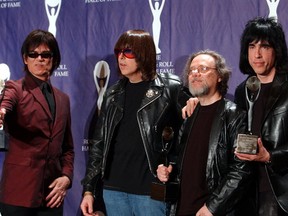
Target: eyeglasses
45,55
200,69
128,53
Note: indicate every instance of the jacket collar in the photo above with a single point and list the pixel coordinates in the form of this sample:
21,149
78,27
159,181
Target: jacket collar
279,80
33,87
153,92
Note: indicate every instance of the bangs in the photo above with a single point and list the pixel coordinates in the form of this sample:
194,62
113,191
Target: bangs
261,32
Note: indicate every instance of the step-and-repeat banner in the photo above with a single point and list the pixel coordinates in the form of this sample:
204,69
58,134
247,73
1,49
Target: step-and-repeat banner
88,29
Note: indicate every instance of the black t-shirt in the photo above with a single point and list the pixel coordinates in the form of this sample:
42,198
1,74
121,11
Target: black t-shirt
257,122
127,165
194,192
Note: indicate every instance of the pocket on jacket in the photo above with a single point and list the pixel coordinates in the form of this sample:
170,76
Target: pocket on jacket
17,160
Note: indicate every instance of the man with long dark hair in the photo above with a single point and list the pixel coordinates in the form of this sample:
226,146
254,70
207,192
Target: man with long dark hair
128,136
264,54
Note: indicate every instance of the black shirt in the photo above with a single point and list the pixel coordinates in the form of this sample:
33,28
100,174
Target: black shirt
194,192
127,165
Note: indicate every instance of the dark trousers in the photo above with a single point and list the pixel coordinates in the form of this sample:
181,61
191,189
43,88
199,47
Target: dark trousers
10,210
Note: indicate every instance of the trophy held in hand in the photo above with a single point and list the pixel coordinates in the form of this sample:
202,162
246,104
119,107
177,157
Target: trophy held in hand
165,191
247,143
3,134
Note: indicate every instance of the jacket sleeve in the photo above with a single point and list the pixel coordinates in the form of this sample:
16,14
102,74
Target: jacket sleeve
96,151
67,157
233,183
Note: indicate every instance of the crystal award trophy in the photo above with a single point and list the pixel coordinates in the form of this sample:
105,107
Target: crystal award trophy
247,143
165,191
3,135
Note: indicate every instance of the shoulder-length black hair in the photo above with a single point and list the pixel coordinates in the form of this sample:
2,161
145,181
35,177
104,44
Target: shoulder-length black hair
264,29
142,45
40,37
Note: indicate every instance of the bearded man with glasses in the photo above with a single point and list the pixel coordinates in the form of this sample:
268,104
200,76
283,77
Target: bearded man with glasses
212,178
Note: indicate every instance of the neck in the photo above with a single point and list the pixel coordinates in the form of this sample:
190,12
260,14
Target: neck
135,78
267,78
208,100
44,77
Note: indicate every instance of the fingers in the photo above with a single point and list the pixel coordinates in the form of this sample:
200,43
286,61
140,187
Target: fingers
87,205
184,115
55,201
56,197
163,172
2,115
188,110
169,169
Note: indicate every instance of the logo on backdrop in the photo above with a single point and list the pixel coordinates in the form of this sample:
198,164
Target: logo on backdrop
156,8
52,10
273,4
101,78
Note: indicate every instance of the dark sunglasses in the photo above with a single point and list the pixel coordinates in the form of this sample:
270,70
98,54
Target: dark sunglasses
128,53
45,55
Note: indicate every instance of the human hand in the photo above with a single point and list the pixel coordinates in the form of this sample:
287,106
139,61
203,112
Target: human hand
204,211
2,116
188,110
87,206
57,195
163,172
262,155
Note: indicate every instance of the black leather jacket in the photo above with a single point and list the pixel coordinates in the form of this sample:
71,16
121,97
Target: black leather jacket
227,177
160,107
274,135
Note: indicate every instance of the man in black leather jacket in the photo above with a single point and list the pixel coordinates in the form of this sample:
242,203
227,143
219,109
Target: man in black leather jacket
264,54
128,136
212,178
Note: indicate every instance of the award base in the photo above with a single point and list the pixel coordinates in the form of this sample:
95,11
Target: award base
247,144
3,141
165,192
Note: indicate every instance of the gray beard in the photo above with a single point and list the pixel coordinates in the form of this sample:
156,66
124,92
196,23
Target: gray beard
199,92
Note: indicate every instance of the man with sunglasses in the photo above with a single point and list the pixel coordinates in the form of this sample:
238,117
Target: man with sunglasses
128,143
212,178
38,167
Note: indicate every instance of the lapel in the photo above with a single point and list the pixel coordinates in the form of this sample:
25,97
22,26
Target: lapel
154,91
35,90
275,93
217,127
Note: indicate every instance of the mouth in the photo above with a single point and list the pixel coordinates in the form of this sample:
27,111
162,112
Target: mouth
258,63
196,80
122,64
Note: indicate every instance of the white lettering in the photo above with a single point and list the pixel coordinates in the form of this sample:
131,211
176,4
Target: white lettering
3,5
14,4
166,70
165,64
85,148
61,73
62,67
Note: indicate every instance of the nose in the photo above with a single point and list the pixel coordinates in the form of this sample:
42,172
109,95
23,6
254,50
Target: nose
39,57
196,73
258,52
121,55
